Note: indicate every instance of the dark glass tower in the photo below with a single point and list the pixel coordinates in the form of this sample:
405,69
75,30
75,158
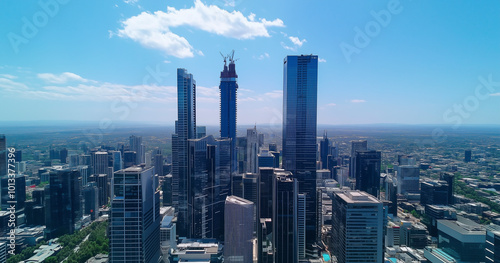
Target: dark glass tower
62,202
185,129
300,87
367,171
134,234
228,91
324,149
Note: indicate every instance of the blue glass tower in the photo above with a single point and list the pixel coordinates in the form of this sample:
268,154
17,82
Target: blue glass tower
185,129
228,89
300,87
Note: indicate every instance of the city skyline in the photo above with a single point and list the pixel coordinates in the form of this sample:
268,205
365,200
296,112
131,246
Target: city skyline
412,70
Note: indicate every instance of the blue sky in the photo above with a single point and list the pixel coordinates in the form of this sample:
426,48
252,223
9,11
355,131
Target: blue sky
411,62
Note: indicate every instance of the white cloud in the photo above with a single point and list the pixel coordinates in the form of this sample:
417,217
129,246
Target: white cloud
130,1
61,78
8,76
495,94
358,101
263,56
207,92
274,94
321,60
11,85
153,30
296,41
331,104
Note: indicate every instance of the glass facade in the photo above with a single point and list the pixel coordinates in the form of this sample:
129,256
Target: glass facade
367,171
185,129
228,108
300,87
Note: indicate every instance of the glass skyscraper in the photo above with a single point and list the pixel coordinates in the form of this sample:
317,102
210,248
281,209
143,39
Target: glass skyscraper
367,171
228,91
300,87
135,216
185,129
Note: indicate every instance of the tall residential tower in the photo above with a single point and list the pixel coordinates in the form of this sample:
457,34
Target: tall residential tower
228,91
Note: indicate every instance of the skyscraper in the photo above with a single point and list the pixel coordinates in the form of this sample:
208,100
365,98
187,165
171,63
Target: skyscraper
357,227
185,129
360,145
117,160
99,162
134,234
367,171
228,91
285,219
408,178
158,164
252,150
137,146
62,202
300,87
238,230
324,150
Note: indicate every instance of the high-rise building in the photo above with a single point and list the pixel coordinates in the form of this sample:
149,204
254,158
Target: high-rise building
185,129
463,239
102,185
137,146
300,88
228,101
167,190
408,178
117,160
158,162
324,151
208,185
62,202
201,131
468,156
391,195
90,195
357,227
99,162
20,191
285,215
134,230
449,179
434,193
356,146
238,230
252,150
3,156
129,159
367,171
63,155
492,244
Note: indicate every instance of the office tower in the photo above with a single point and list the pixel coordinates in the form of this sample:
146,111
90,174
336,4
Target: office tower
252,150
148,159
201,131
266,192
228,91
208,186
134,229
391,195
117,160
63,155
129,159
62,202
158,162
408,178
168,231
324,151
90,195
20,191
238,230
301,225
276,159
300,86
463,239
414,236
99,162
167,190
185,129
434,193
102,185
266,159
367,171
492,251
3,156
284,220
468,156
18,156
273,147
84,173
449,178
137,147
356,146
357,227
406,160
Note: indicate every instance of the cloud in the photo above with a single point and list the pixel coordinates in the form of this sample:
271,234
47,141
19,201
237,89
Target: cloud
295,41
274,94
495,94
9,84
8,76
331,104
207,92
153,30
263,56
321,60
131,2
358,101
61,78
